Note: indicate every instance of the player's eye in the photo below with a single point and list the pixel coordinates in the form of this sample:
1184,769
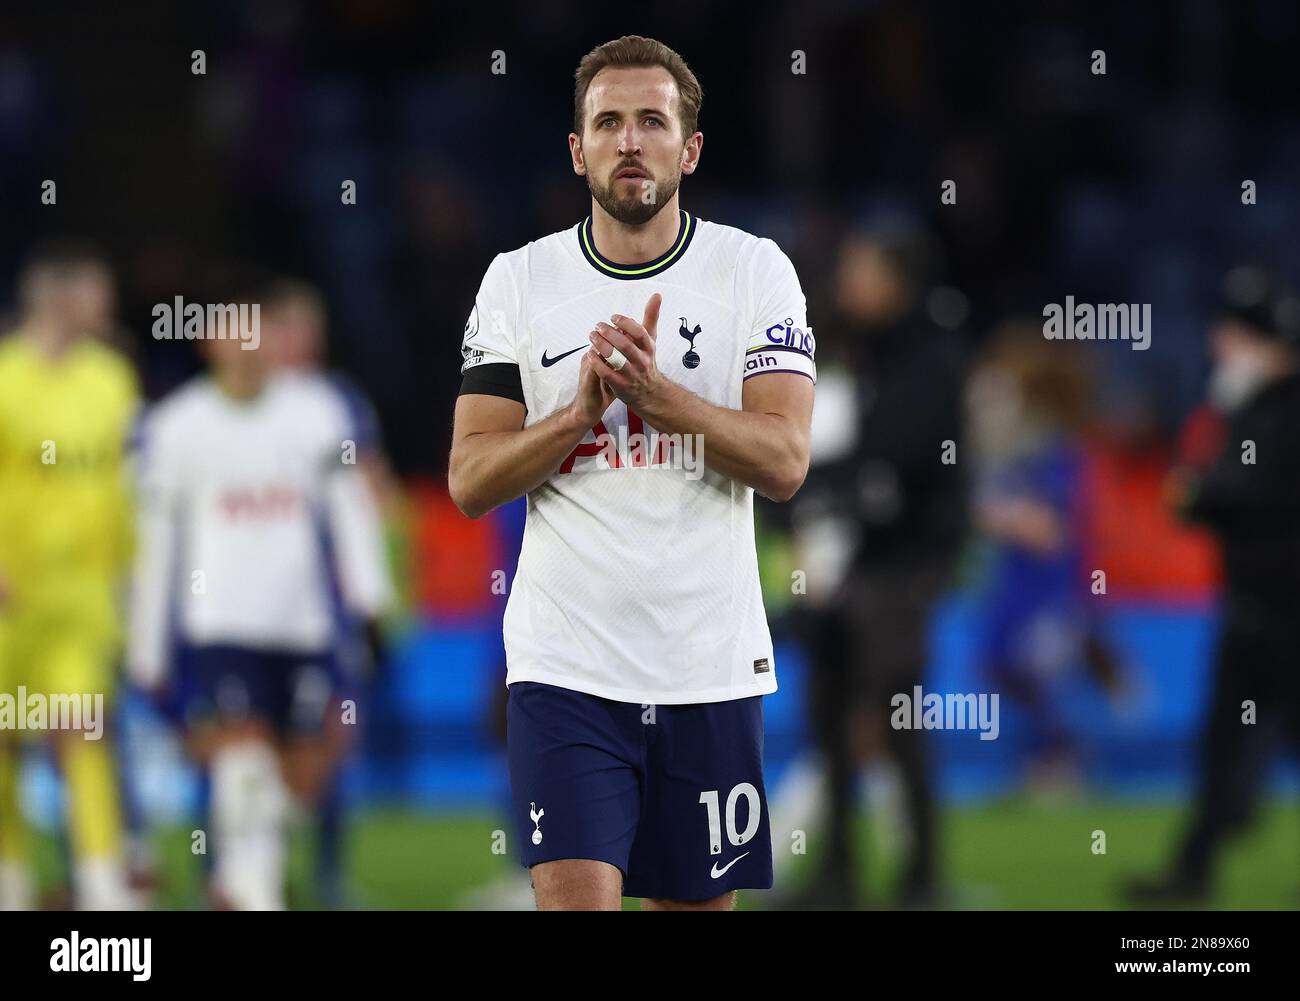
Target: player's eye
654,120
606,121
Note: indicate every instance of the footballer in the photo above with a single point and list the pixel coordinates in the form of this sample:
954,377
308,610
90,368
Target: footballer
67,402
636,642
258,543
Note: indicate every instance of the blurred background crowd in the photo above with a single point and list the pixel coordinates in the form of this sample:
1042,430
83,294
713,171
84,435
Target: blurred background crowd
971,575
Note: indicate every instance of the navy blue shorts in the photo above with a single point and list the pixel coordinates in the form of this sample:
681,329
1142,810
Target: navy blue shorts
291,691
671,795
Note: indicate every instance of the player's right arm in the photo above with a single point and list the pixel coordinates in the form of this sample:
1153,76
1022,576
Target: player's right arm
159,483
494,458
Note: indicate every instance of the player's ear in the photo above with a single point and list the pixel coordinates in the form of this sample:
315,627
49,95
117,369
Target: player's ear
691,153
575,152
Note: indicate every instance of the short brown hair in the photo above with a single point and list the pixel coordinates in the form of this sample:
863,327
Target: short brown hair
283,291
637,50
59,259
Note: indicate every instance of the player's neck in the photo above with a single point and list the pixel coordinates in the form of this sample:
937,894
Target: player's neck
237,386
625,244
50,340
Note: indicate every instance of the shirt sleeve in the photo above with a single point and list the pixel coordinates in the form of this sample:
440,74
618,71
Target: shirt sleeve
780,339
358,534
489,338
159,479
122,488
355,522
11,498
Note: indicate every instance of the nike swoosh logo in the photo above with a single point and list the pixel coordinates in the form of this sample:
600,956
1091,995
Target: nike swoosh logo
548,362
715,872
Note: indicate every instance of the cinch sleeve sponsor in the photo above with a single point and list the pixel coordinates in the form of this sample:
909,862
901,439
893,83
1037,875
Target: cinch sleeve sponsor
780,339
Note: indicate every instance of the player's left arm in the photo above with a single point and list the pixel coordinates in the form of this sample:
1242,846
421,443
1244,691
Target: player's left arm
122,486
355,521
764,445
9,506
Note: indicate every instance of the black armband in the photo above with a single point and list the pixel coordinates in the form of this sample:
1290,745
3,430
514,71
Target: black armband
494,379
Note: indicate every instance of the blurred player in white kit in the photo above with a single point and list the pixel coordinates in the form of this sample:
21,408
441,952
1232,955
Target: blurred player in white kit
258,538
295,339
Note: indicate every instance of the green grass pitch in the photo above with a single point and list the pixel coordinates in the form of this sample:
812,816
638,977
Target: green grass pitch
1014,854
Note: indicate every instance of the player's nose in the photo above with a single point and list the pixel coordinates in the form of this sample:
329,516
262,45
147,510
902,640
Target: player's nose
629,144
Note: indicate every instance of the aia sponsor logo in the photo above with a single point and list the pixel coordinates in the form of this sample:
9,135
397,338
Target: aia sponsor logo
261,503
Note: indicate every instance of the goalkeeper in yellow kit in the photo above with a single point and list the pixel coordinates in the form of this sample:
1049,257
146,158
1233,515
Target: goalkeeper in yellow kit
66,403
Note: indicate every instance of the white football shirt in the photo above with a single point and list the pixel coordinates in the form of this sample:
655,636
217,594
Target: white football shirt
252,513
638,575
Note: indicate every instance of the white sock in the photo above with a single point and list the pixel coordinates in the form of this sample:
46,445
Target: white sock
17,887
101,885
249,807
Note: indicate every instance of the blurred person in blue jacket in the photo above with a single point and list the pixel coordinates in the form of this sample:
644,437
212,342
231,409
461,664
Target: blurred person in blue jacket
1026,405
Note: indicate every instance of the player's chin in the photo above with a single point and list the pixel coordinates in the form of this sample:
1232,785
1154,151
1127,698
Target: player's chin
634,212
